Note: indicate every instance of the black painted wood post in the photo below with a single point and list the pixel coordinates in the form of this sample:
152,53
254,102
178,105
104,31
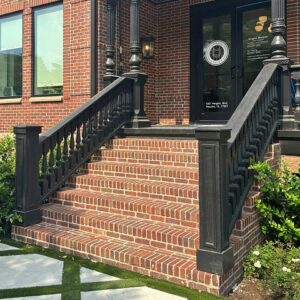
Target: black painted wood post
279,56
139,118
110,74
27,173
214,255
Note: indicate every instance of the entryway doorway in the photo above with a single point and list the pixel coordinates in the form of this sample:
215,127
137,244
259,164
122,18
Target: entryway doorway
228,46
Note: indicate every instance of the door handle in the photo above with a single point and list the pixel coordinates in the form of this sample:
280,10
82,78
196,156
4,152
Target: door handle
233,72
239,72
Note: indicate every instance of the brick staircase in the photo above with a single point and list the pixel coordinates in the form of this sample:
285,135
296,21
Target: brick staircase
135,206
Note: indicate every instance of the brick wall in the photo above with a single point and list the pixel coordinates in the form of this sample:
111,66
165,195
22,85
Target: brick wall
293,30
168,88
76,69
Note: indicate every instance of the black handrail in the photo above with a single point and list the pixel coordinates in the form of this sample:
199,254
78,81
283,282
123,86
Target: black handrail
225,154
71,142
252,126
45,162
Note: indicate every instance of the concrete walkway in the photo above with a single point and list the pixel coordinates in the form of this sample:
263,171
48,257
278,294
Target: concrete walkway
21,271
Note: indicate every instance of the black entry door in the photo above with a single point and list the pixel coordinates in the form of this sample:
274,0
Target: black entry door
228,47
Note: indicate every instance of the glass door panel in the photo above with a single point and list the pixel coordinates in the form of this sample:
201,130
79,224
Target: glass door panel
257,38
217,60
227,55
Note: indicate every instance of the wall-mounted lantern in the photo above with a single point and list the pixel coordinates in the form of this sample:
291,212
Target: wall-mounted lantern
147,46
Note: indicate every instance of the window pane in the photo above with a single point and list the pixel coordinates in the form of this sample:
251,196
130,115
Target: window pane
217,63
11,56
48,64
257,38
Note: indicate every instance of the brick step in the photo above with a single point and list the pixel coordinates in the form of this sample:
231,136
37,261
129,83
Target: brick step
143,157
183,193
150,172
151,261
155,144
152,209
249,205
247,220
127,228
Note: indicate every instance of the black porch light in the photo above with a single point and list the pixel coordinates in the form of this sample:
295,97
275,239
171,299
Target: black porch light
147,46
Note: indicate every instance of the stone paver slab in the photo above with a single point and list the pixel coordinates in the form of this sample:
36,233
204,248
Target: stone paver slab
46,297
138,293
4,247
29,271
87,275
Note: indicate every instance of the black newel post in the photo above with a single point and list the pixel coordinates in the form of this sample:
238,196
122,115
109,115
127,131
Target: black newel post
27,173
110,74
214,255
139,117
279,52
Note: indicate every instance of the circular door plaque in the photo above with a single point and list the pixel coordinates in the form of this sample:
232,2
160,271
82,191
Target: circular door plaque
216,53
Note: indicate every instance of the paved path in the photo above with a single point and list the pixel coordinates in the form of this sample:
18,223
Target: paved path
21,271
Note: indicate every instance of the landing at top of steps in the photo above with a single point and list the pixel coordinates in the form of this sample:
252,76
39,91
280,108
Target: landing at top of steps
293,162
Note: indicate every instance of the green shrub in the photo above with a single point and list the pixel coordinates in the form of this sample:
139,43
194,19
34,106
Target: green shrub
7,184
279,205
278,267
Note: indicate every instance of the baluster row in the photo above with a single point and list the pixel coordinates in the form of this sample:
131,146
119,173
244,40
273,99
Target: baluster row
250,142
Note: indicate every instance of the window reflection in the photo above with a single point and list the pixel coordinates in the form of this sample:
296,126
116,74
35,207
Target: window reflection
48,50
11,56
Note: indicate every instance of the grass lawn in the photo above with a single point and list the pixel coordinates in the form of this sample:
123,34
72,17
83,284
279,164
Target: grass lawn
71,287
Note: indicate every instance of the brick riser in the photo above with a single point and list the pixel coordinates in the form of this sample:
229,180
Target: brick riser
173,159
180,193
169,212
145,232
137,171
155,145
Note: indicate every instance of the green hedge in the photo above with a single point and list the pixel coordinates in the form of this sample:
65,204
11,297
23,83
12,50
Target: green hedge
279,205
7,184
278,268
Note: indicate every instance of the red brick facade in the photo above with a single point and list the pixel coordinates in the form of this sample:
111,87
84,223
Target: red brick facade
76,68
168,87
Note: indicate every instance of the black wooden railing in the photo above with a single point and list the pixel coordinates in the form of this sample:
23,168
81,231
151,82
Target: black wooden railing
225,154
45,162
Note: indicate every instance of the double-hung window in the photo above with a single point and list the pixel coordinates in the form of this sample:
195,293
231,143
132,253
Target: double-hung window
11,56
48,50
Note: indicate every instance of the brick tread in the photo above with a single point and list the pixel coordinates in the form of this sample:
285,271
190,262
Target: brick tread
145,171
185,193
144,157
147,232
158,210
151,261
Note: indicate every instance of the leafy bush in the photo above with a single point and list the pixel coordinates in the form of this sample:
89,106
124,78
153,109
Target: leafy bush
279,205
7,184
278,267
